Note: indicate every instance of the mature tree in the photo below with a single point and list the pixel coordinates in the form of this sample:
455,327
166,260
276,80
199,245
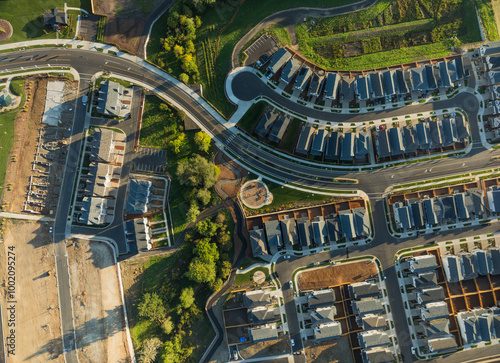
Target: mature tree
225,269
200,271
202,140
183,77
174,352
216,285
167,325
220,219
203,196
207,251
206,228
178,51
151,307
197,172
187,297
149,350
224,241
192,213
178,143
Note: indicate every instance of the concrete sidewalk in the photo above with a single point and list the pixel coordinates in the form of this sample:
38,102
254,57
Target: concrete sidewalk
29,217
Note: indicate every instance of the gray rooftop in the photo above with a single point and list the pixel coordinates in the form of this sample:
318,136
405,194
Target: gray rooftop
258,242
423,263
110,96
327,331
321,298
452,266
305,138
318,144
347,225
367,306
347,151
263,333
289,230
430,294
266,122
436,310
302,78
333,228
373,338
373,321
279,59
363,289
289,71
279,128
331,85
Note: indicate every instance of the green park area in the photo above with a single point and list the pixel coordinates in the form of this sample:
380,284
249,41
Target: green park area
26,17
167,321
394,32
189,154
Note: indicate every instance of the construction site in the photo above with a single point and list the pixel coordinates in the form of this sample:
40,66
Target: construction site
42,130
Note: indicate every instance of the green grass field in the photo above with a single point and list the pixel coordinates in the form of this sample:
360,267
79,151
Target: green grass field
26,17
6,140
247,278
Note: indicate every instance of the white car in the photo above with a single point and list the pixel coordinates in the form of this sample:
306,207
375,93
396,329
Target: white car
287,257
291,284
292,342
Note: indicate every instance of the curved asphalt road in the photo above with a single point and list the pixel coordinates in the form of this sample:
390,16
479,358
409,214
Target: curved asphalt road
373,182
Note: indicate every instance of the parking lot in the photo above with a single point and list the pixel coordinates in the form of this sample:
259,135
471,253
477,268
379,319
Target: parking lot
265,45
150,160
88,27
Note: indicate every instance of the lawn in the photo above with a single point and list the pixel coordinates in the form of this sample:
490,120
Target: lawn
6,140
286,198
212,74
291,135
26,17
247,278
250,119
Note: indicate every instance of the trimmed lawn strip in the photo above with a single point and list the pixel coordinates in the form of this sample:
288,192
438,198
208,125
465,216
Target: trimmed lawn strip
252,116
291,135
6,139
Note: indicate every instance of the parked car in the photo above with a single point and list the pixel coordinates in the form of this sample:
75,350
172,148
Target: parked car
292,342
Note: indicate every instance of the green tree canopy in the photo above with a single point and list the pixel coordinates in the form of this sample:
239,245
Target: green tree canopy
187,297
149,350
207,251
151,307
192,213
183,77
225,269
202,141
197,172
203,196
206,228
200,271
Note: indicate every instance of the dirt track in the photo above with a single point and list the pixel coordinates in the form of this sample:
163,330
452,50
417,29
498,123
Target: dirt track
97,304
336,275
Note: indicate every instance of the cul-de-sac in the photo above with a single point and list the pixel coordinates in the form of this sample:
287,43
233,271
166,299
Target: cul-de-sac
214,181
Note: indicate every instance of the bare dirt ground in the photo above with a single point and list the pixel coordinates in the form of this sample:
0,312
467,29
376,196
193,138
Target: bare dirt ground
38,329
26,131
97,303
264,349
254,194
334,351
337,275
126,20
